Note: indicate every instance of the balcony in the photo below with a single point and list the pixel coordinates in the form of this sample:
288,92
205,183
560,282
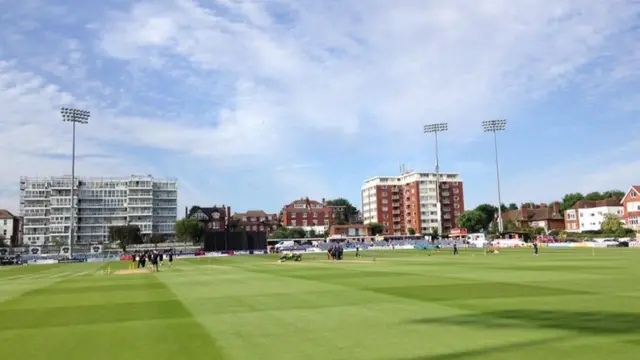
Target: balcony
396,212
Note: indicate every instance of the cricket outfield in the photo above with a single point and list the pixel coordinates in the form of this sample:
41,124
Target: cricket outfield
405,305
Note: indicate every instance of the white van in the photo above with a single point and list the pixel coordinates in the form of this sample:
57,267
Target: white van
284,244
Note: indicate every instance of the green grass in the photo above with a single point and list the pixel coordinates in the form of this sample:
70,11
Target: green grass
564,304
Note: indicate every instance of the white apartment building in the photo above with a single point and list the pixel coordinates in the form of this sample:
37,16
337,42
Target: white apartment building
589,219
45,204
409,201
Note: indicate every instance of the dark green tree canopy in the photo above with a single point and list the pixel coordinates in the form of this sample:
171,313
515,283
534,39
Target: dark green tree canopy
349,210
472,220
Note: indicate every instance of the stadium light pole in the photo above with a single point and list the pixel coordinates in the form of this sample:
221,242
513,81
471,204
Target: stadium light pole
435,129
74,116
494,126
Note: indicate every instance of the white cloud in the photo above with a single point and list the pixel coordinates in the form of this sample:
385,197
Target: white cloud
270,82
610,169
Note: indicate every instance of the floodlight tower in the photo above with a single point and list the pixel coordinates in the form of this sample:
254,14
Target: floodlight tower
435,129
74,116
494,126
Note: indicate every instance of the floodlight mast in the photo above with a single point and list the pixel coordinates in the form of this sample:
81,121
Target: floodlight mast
494,126
74,116
435,129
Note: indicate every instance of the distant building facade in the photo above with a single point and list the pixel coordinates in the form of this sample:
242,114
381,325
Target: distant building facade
542,215
214,218
588,215
408,201
307,214
256,220
631,208
9,228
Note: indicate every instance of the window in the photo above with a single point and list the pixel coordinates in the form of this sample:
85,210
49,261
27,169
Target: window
4,232
293,223
456,198
456,206
304,222
634,220
4,222
326,222
455,190
384,194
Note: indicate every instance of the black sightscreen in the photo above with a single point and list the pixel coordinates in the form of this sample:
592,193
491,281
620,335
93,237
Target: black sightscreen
238,241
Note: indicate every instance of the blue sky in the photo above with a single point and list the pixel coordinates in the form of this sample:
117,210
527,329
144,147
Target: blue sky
256,103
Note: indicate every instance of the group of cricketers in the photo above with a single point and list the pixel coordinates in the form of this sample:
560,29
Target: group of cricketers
154,259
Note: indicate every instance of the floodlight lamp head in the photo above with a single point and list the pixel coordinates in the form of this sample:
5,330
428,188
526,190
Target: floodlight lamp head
494,125
75,115
432,128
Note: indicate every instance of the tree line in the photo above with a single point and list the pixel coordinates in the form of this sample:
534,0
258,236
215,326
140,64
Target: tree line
568,200
481,219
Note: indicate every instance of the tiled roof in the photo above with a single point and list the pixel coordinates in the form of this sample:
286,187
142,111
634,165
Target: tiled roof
587,204
6,214
253,213
536,214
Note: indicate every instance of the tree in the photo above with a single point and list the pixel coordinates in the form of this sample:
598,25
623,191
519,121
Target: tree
311,233
189,229
510,225
472,220
375,228
434,233
58,244
613,194
513,206
280,233
156,239
611,224
2,240
125,235
116,234
411,231
594,196
569,200
297,233
349,210
488,212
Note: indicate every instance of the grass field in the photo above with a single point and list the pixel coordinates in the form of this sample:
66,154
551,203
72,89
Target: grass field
564,304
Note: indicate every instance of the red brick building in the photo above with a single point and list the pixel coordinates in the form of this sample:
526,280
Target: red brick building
214,218
534,216
631,208
306,213
408,201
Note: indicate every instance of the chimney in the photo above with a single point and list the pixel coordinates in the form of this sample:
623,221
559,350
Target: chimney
186,211
556,208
